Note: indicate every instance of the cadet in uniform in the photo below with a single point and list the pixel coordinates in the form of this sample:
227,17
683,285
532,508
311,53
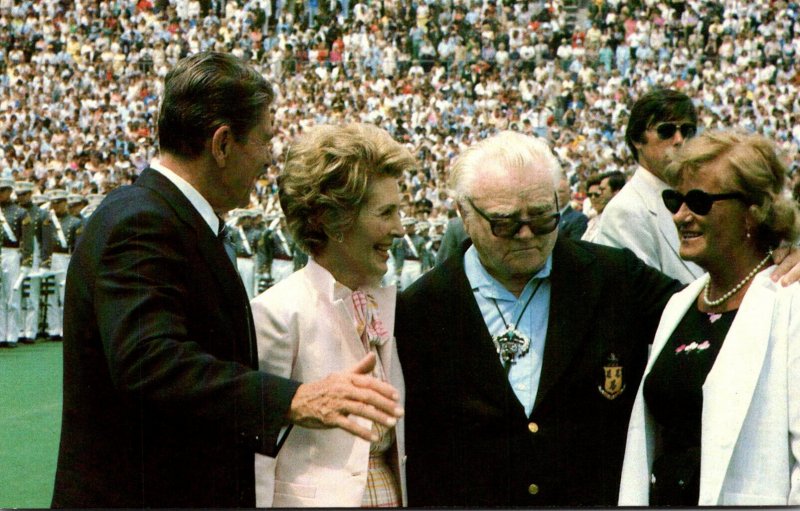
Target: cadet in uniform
423,229
58,240
75,204
240,224
263,277
27,284
11,223
282,260
431,249
264,253
407,254
92,201
254,230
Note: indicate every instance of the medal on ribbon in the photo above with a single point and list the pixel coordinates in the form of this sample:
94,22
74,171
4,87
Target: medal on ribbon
510,344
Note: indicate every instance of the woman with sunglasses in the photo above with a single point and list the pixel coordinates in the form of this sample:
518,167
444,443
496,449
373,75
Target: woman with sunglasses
716,420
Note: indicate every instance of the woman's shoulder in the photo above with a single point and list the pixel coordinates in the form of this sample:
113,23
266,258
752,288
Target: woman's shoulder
290,293
764,293
764,280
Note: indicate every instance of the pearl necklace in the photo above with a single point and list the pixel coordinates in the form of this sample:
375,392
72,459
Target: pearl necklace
737,287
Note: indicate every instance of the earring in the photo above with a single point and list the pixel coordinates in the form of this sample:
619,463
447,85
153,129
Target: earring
340,237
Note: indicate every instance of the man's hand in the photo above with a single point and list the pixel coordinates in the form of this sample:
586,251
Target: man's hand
328,403
788,261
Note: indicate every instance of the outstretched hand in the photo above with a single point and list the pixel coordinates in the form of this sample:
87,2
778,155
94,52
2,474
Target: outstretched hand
328,403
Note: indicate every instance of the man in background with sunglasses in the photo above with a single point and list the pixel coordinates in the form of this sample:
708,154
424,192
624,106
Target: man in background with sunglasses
600,190
573,223
636,218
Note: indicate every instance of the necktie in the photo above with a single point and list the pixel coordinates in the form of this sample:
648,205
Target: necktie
369,324
224,237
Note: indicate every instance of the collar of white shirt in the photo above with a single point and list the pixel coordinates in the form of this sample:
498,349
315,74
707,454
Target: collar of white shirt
198,201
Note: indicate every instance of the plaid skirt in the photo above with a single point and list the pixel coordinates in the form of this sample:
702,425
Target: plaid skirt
383,489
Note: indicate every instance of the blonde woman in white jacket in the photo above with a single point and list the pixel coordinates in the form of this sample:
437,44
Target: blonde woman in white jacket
339,190
717,417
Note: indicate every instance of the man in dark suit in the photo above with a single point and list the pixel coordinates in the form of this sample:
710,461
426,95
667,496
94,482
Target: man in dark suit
522,371
163,402
573,223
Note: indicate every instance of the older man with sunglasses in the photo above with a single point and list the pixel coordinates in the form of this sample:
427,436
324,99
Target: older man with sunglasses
636,218
521,371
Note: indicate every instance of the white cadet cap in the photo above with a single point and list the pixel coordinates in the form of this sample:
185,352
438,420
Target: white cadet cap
57,194
23,187
75,198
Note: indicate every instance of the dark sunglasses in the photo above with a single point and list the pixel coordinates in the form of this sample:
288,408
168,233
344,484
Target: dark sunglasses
504,227
698,201
667,130
593,195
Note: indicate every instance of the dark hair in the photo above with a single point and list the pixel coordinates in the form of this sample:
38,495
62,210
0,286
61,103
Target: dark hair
616,179
593,180
205,91
658,105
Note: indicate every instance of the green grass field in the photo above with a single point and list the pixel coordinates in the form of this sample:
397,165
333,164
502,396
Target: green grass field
30,423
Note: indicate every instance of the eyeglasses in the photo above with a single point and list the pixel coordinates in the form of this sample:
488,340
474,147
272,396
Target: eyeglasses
667,130
593,195
508,227
698,201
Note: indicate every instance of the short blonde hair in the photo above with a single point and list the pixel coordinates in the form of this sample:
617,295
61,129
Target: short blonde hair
754,169
325,179
510,149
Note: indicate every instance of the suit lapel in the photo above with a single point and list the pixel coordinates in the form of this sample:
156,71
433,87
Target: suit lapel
339,299
208,244
568,324
729,387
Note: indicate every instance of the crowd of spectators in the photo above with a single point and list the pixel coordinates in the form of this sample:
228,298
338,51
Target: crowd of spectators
80,79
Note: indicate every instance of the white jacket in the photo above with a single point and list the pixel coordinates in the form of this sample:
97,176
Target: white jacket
637,219
305,332
751,404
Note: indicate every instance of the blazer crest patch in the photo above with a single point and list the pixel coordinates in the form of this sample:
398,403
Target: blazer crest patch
613,382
